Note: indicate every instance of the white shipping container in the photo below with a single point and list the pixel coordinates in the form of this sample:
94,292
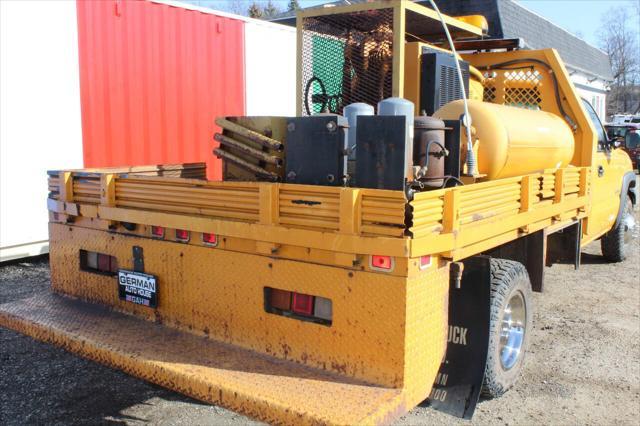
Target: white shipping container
270,63
40,126
270,69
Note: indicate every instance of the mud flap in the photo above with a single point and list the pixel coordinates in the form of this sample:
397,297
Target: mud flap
564,245
459,381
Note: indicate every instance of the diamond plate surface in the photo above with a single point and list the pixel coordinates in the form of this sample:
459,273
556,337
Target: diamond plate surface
219,293
426,329
378,359
261,387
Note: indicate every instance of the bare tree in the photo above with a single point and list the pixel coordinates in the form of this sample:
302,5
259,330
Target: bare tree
293,5
270,10
262,9
619,39
238,7
255,11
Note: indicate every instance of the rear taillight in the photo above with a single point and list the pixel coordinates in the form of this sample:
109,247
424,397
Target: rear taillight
92,261
210,239
425,262
182,235
157,232
104,262
300,306
381,263
280,299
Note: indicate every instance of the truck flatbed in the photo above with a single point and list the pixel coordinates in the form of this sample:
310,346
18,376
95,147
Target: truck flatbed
454,222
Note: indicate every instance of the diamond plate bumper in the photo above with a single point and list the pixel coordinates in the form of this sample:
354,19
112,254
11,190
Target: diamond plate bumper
262,387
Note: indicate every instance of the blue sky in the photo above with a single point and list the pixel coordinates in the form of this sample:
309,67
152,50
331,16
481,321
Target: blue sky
580,17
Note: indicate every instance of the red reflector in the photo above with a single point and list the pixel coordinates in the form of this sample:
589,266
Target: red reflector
157,231
209,239
104,262
182,235
302,304
425,262
381,262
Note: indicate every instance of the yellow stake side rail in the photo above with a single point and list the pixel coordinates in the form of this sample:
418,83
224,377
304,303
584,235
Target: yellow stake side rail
454,222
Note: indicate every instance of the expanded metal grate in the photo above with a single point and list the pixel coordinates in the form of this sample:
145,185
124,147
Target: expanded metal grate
521,88
489,93
346,58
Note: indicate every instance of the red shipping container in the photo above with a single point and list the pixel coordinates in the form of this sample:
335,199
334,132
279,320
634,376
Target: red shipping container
153,78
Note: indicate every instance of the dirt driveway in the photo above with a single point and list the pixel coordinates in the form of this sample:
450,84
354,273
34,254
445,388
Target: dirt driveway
583,366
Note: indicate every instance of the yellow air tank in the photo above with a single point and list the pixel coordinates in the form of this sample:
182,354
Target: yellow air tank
513,141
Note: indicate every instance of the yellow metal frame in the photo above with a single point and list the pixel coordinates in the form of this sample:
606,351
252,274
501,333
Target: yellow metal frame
400,9
402,311
219,293
585,132
452,222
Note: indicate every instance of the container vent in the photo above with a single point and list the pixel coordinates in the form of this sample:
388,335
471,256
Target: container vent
449,85
346,58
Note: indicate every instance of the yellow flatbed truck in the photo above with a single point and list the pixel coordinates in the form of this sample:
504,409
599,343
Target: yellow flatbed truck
345,302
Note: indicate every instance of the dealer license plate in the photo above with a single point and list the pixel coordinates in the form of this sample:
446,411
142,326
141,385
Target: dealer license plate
138,288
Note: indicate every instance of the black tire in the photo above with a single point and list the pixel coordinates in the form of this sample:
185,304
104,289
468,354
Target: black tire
509,283
614,244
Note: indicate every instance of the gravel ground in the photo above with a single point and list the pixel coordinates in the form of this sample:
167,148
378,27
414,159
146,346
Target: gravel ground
583,366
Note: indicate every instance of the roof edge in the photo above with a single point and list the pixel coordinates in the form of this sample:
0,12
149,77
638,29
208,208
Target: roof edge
209,11
519,4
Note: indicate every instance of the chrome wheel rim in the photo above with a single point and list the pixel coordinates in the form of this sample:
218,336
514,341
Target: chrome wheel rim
514,323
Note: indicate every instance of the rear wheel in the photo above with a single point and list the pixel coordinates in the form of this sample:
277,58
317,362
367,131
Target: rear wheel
511,321
616,242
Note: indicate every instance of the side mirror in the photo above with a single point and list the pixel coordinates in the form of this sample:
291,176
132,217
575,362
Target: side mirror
618,141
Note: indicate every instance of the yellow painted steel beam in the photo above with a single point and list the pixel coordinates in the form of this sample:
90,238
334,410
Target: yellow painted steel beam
269,233
485,230
356,221
455,25
399,28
